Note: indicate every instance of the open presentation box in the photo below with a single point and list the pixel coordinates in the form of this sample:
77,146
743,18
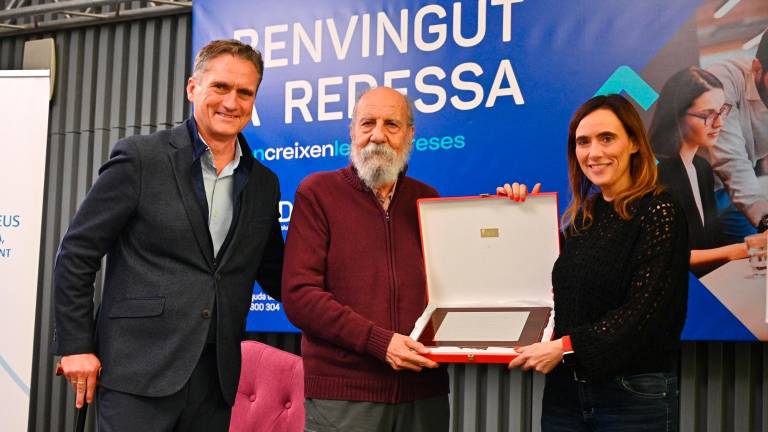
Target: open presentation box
488,262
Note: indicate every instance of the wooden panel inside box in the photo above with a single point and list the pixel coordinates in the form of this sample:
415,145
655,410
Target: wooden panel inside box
531,332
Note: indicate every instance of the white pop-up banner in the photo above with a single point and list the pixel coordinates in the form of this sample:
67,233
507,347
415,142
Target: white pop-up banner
23,137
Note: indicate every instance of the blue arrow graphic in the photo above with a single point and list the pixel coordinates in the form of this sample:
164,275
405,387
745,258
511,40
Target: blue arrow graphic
627,80
14,376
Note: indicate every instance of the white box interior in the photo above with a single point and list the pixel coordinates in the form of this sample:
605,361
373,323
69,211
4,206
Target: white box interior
465,269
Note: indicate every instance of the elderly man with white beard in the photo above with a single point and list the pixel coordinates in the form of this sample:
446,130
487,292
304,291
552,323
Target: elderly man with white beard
353,281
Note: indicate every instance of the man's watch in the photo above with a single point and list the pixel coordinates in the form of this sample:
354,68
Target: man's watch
569,358
762,226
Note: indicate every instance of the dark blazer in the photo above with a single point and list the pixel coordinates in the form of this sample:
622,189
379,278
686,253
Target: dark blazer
161,277
674,178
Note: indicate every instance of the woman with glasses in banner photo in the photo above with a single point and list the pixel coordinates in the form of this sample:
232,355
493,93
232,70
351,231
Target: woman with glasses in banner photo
689,114
620,283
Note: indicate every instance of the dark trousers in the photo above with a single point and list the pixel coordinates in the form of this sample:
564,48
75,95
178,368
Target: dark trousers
426,415
644,402
198,406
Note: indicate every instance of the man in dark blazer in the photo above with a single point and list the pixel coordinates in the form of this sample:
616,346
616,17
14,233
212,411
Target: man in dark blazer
187,219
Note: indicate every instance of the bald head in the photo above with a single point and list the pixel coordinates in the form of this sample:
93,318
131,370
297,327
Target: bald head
378,92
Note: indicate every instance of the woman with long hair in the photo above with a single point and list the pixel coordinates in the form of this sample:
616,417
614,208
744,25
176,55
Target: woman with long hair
620,284
689,114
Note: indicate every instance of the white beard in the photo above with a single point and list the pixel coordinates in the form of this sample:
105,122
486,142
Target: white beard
378,164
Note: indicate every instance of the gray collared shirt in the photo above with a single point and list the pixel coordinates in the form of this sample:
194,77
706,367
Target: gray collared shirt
219,192
743,140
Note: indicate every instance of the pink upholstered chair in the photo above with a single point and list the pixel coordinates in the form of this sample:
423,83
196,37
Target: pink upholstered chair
270,396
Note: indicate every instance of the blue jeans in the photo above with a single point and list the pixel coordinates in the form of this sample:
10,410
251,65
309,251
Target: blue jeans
645,402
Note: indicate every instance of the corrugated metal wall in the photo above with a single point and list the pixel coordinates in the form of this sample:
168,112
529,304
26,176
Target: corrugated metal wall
112,81
122,79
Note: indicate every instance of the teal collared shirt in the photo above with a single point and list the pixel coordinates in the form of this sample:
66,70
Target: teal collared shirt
219,193
242,171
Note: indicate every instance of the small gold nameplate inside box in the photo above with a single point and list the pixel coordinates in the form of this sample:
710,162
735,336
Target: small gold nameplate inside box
489,232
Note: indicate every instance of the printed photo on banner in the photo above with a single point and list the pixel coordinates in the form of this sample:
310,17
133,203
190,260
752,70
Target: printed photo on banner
709,129
708,125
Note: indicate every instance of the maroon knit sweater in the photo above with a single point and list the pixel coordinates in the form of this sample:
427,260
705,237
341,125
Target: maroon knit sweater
353,274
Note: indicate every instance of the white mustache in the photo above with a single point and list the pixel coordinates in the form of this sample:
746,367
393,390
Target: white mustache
372,150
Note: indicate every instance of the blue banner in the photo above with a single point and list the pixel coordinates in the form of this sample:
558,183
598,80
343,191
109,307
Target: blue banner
494,83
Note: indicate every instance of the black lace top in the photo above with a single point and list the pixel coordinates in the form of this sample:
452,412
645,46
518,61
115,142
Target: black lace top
621,289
